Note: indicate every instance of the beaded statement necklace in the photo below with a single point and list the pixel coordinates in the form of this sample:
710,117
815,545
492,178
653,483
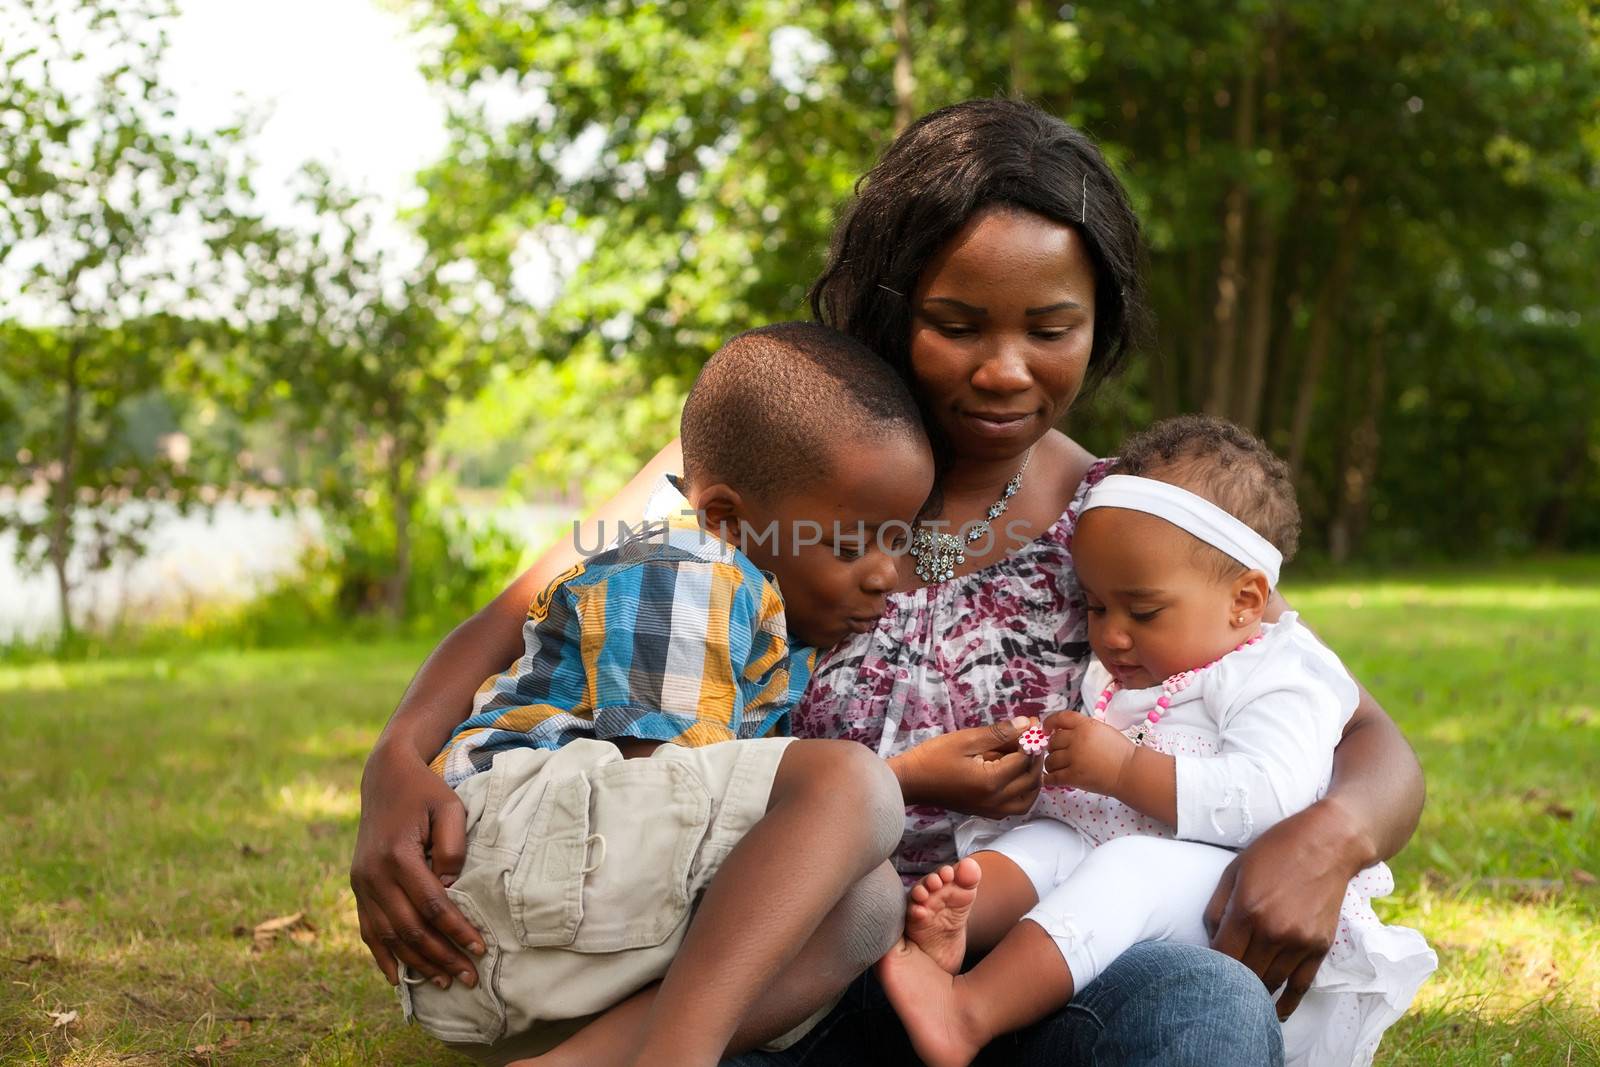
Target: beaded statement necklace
939,554
1170,688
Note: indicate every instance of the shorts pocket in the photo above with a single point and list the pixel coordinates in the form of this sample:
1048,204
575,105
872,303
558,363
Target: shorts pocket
471,1015
608,856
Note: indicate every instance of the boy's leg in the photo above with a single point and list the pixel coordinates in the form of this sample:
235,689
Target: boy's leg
834,813
861,928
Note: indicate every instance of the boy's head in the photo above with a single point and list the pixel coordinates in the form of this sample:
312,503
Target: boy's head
1162,596
807,451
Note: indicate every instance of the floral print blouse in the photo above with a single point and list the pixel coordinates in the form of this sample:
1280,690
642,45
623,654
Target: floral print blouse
1010,639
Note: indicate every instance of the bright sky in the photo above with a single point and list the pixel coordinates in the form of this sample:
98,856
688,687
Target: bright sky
337,80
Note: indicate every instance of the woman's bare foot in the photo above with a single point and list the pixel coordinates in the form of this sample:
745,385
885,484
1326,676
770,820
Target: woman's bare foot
937,1018
936,915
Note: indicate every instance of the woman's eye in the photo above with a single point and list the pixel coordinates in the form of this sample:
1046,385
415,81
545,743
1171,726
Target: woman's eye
848,551
951,329
1144,616
1095,609
1052,335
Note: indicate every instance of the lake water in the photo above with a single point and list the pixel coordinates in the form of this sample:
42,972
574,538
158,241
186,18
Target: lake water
231,555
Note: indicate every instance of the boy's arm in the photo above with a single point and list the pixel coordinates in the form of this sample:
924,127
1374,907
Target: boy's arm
413,828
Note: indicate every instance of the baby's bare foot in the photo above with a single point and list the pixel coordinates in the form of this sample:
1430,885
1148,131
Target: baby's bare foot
930,1005
937,911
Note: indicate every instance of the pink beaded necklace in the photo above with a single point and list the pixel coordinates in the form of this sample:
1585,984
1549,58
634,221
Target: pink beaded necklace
1170,688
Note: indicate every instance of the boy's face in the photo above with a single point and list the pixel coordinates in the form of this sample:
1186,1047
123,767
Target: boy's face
1156,608
833,547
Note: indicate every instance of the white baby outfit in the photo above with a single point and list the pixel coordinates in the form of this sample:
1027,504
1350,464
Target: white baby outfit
1253,739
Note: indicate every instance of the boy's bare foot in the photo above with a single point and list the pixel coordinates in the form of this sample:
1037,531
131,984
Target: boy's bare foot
937,911
928,1000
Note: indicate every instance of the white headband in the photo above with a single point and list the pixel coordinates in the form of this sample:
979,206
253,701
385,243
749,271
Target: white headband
1193,515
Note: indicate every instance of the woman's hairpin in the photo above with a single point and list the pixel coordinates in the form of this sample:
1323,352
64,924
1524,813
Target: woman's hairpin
1083,206
896,292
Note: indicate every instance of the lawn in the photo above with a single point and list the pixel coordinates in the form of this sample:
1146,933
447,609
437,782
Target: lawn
156,810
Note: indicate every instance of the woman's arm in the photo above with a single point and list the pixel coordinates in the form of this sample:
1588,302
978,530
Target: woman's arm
1277,905
409,817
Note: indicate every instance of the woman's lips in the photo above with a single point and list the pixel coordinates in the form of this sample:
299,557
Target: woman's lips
996,424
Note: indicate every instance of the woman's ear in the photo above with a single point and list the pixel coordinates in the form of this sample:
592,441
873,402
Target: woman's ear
1250,595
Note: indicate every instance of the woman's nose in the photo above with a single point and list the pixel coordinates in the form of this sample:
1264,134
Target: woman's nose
884,574
1004,370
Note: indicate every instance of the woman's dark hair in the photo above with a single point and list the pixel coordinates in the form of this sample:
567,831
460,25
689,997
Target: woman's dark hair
943,169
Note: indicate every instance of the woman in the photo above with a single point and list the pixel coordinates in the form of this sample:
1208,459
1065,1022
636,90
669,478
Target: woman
991,256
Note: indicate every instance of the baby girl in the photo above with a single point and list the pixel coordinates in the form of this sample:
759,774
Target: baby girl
1204,724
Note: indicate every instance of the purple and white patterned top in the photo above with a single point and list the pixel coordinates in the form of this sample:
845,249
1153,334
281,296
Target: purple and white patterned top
1010,639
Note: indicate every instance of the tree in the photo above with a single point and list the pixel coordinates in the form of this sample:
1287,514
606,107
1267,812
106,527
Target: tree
1335,197
365,344
114,226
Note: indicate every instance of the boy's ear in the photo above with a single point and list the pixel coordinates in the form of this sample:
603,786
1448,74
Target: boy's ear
721,507
1250,595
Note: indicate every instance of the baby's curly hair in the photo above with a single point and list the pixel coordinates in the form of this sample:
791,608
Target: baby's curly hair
1226,465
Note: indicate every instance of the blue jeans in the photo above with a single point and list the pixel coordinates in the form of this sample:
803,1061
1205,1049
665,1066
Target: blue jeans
1157,1004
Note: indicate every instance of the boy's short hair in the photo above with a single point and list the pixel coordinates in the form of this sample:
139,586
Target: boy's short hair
771,405
1226,465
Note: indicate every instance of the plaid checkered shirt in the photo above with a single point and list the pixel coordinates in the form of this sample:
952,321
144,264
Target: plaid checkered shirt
671,636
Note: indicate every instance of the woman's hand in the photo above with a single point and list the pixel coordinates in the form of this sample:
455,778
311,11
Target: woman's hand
408,815
1277,906
977,771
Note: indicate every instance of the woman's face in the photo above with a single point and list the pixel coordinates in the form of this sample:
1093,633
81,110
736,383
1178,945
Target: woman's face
1002,322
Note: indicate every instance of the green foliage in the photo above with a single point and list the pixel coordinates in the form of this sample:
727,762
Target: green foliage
114,229
582,425
364,345
1371,227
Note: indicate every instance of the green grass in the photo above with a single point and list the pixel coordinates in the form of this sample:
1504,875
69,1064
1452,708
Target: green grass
149,806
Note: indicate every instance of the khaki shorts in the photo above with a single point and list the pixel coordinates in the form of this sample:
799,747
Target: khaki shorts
582,870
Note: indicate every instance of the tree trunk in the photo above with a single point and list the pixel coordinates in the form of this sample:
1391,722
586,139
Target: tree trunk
905,79
1361,458
1262,283
1258,324
1021,23
1225,313
1319,335
64,494
400,497
1571,471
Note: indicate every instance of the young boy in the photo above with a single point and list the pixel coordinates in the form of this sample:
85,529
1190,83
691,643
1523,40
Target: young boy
604,810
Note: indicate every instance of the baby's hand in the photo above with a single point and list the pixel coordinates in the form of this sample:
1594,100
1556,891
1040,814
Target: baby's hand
1086,753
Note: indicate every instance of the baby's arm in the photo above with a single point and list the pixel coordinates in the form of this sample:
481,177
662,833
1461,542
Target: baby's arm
1275,749
1088,754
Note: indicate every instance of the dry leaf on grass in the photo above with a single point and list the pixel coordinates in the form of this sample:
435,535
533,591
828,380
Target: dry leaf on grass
1526,890
1583,877
32,958
296,928
205,1053
60,1020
